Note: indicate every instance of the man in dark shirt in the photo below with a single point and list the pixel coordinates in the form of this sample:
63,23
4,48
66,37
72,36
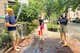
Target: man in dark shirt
63,21
11,26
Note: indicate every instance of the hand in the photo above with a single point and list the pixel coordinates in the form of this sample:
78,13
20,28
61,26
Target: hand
15,25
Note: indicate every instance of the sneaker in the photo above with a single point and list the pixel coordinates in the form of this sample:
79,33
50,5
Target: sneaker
61,42
17,48
65,44
22,45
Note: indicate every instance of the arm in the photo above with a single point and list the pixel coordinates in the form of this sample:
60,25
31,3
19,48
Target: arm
7,24
58,21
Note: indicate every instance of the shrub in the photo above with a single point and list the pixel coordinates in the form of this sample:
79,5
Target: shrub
5,40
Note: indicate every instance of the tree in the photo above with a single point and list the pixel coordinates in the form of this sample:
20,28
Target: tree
56,7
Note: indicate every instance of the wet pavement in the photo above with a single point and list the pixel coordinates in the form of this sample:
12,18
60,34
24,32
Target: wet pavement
49,45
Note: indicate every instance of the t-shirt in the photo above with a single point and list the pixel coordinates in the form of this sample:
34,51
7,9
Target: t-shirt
11,20
63,20
41,21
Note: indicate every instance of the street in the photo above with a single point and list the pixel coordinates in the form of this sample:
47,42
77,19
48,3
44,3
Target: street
74,30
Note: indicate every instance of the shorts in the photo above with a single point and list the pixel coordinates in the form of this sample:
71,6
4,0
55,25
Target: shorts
63,28
14,35
42,27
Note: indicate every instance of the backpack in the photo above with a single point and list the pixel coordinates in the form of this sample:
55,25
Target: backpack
63,21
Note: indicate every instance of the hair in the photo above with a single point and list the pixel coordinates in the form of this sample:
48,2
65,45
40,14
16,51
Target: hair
9,9
61,15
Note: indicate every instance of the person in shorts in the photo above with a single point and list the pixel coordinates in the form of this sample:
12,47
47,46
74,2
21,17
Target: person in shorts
63,21
10,23
41,24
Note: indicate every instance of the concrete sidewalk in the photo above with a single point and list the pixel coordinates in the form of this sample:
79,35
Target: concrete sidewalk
73,43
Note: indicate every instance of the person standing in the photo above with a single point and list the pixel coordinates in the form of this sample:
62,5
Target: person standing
10,23
63,21
41,33
41,24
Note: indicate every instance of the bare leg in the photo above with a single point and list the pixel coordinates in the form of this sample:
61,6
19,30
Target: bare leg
64,38
61,38
17,42
61,35
14,44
